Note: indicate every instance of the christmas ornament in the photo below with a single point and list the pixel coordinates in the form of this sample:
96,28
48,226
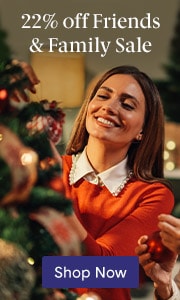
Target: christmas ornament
159,253
56,184
12,80
17,275
50,121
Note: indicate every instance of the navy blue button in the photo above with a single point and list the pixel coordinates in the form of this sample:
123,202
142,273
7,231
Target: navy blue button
90,272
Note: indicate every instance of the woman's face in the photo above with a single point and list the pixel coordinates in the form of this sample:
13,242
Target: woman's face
116,113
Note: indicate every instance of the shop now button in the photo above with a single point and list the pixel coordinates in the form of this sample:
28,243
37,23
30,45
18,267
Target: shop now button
90,271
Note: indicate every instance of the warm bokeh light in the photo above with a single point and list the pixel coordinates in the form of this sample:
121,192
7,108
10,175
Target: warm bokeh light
3,94
170,165
28,158
170,145
30,261
166,155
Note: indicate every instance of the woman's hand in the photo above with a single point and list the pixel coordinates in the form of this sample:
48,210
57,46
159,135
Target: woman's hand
160,273
170,232
156,271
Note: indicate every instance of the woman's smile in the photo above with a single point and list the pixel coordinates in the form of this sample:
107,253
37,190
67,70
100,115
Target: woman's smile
107,122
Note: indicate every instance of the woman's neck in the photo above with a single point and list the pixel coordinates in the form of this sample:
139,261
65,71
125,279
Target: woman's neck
103,156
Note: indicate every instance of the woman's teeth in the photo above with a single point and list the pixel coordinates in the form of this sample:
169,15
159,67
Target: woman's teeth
104,121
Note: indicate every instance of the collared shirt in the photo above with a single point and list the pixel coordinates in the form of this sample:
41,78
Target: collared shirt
112,178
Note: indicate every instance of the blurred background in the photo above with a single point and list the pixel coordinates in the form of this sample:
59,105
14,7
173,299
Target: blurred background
69,76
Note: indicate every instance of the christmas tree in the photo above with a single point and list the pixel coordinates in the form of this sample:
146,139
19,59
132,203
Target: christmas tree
170,88
30,175
5,51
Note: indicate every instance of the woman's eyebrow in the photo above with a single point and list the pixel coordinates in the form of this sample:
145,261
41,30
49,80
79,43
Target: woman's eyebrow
130,96
106,88
125,95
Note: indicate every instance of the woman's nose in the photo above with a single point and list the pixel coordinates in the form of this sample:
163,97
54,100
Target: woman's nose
111,105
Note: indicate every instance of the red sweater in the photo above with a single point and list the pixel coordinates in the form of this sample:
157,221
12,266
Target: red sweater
114,224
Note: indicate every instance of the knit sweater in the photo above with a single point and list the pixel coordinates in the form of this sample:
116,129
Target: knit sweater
115,223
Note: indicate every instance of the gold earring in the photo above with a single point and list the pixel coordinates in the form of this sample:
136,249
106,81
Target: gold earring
139,138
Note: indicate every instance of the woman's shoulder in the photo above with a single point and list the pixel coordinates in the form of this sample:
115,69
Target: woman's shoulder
151,193
155,186
66,162
66,158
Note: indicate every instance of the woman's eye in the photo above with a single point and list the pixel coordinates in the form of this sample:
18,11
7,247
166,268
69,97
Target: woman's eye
102,96
128,106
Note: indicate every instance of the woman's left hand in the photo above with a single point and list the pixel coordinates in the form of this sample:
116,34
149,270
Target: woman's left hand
170,232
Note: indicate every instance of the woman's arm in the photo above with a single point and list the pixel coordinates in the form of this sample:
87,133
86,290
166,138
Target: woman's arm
121,238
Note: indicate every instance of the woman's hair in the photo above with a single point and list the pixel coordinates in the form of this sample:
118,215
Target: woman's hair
145,158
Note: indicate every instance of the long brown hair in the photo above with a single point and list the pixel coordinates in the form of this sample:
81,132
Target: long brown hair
145,158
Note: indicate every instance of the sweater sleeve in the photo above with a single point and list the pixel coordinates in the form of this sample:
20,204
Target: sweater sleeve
176,293
121,239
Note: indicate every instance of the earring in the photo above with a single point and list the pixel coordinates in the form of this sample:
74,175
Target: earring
139,138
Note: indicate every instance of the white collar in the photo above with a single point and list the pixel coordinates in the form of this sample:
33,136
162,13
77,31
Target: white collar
112,178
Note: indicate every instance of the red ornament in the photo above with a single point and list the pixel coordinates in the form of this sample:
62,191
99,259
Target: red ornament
56,184
159,253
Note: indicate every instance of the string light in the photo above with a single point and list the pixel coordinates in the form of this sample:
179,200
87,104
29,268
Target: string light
170,166
89,296
170,145
3,94
28,158
166,155
30,261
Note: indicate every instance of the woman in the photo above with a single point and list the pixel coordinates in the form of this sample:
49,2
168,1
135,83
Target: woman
165,287
113,169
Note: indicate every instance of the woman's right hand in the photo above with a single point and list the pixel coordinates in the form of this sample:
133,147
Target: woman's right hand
158,272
